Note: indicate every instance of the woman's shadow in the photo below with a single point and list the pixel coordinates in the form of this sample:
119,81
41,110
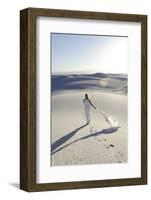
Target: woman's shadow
65,138
62,140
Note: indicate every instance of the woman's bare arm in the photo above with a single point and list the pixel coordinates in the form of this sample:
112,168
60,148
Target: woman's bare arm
92,104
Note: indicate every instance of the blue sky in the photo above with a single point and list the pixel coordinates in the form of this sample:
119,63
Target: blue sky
73,53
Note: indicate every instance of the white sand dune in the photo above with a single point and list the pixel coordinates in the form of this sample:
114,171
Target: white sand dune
74,142
115,83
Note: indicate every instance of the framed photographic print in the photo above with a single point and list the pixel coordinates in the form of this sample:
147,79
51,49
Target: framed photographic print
83,99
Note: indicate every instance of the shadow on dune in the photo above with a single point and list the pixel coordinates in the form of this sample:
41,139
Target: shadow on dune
88,81
65,138
104,131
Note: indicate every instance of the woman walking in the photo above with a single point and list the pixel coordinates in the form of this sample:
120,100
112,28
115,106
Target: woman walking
87,103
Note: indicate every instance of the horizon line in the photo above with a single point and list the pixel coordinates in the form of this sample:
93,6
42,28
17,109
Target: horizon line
78,72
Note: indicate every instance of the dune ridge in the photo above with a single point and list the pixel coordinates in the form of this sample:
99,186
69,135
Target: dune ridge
115,83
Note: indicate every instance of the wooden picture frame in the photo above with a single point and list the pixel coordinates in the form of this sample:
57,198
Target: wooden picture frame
28,98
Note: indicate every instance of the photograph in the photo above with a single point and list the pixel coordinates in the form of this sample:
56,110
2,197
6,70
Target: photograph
89,94
83,99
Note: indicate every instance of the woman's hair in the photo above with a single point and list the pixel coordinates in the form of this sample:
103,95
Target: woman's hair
86,96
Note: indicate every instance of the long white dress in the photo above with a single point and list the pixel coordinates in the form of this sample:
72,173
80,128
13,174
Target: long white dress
87,109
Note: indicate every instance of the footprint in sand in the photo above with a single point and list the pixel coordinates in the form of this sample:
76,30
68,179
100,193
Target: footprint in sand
119,156
91,130
107,146
110,145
